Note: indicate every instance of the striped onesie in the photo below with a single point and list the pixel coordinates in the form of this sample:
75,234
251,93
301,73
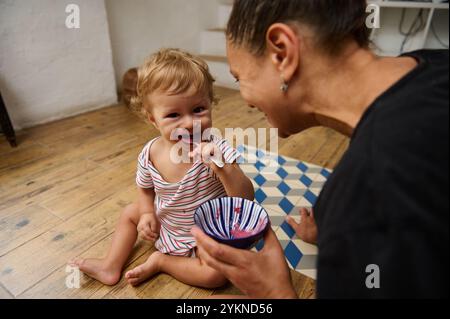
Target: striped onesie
176,203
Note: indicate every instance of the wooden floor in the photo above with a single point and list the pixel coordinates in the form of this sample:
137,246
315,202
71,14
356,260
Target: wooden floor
63,188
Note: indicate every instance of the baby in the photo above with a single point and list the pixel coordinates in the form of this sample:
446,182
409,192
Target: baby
175,94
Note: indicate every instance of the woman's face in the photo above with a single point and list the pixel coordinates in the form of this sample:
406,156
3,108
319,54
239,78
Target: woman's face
260,83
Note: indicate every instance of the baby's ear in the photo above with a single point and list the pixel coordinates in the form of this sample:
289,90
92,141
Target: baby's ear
151,118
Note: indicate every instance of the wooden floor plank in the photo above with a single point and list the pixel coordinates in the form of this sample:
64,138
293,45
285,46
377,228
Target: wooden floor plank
28,264
90,190
337,155
119,157
18,227
5,294
229,289
21,157
39,169
330,148
53,184
22,140
54,285
75,125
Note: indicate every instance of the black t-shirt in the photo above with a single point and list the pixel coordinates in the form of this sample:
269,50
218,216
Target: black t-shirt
386,203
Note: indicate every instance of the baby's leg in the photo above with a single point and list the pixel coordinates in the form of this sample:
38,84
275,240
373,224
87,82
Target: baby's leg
191,271
108,269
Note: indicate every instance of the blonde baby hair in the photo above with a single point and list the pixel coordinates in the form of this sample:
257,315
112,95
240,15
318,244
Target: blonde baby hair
171,71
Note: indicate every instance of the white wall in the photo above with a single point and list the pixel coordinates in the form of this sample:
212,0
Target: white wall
141,27
48,71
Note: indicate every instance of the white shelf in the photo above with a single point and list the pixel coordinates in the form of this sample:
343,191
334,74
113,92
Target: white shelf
409,4
417,41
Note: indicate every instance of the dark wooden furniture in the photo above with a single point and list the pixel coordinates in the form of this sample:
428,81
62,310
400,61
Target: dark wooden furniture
129,85
5,124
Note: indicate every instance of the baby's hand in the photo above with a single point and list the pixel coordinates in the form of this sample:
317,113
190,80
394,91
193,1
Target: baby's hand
306,230
208,153
148,227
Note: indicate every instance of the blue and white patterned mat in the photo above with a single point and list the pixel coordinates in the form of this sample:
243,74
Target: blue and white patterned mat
282,189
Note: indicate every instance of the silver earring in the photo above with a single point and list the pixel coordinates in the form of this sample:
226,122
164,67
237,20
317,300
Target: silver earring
284,85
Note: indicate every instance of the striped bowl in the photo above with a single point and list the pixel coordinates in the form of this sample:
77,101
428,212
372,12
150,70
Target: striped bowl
233,221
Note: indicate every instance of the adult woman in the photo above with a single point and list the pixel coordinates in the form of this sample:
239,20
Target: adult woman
306,63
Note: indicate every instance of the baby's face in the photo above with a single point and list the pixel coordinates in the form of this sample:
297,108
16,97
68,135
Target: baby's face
173,113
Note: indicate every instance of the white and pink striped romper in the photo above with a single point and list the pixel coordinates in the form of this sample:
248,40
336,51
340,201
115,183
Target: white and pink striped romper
176,203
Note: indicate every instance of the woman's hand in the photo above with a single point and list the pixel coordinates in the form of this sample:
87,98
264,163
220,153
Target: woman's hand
148,227
306,230
264,274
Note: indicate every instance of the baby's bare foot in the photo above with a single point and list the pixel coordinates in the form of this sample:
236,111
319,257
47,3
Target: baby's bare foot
97,269
146,270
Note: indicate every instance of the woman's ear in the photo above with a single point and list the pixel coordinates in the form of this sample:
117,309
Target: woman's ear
283,47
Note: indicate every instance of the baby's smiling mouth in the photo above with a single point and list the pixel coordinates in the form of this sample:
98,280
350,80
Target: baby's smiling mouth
187,139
